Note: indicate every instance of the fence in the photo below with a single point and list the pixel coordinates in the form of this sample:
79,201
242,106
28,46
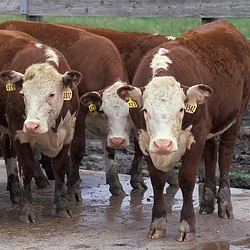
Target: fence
204,9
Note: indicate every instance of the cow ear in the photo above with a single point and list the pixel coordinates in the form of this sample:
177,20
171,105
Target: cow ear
71,79
199,93
92,100
10,77
132,95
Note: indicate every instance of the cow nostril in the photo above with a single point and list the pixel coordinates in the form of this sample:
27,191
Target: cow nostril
31,127
163,145
117,141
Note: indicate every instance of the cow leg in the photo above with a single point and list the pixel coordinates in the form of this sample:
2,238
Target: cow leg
11,168
158,221
112,179
136,180
77,151
60,194
40,178
226,149
187,179
207,204
26,170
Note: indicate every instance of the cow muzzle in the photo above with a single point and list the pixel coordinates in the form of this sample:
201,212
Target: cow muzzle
117,142
31,127
164,146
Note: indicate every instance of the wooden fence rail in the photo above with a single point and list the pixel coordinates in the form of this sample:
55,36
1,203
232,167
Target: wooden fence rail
129,8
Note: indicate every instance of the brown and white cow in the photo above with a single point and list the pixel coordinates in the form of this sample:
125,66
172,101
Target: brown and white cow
186,93
39,103
133,46
103,72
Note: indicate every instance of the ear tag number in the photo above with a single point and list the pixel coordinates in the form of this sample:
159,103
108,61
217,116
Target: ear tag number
92,107
10,86
132,104
191,106
67,94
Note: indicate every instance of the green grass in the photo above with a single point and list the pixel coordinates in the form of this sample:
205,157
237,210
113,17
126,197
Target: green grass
169,26
240,175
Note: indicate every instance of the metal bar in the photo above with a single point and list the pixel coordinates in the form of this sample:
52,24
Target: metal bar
24,7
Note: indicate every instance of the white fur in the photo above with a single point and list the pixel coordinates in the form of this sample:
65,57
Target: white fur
166,162
40,81
116,122
51,143
160,60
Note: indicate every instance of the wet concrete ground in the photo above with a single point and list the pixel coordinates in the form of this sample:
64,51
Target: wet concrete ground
105,222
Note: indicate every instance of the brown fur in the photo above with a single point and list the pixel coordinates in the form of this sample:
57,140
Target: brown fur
133,46
18,53
217,55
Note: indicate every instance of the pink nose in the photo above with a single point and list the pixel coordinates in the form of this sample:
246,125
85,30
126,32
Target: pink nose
117,142
31,127
163,146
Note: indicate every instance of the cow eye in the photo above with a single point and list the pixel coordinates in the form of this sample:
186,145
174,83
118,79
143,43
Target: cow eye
144,110
51,96
181,110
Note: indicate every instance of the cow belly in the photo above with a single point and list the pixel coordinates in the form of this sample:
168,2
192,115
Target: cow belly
96,124
51,142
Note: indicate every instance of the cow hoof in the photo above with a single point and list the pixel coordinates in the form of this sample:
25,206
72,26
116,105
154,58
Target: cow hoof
42,182
116,191
225,210
64,214
207,204
138,185
206,209
156,233
28,218
183,236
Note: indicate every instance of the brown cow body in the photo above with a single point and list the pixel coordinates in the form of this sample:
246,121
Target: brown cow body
38,74
170,76
103,72
133,46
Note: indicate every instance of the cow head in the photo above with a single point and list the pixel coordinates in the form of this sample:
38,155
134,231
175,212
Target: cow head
43,89
114,111
163,103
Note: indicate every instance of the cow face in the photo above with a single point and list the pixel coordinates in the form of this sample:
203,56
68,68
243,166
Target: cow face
163,103
114,114
43,89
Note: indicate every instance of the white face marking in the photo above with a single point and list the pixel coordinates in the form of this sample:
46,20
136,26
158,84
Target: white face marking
117,115
42,90
51,143
163,101
160,60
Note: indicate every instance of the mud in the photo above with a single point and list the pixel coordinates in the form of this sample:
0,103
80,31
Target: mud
101,221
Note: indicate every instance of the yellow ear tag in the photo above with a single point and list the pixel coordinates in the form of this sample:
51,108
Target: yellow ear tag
132,104
67,94
10,86
191,106
92,107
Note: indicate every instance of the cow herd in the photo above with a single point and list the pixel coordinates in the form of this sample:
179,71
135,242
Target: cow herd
183,98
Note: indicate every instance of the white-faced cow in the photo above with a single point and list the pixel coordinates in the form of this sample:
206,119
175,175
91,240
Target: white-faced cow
187,92
39,103
133,46
103,72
